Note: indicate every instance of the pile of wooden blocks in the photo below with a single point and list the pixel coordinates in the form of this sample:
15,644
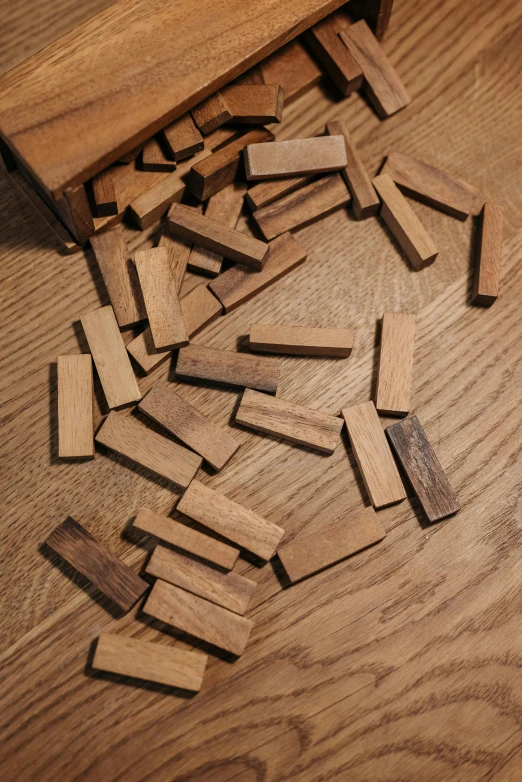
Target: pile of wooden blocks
286,185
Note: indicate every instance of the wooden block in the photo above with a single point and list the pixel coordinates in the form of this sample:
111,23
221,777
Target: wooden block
75,414
159,287
292,68
238,285
269,190
418,460
225,207
150,661
110,357
210,175
337,61
104,194
382,84
231,520
224,366
430,185
486,282
295,423
130,156
153,157
304,206
212,113
119,276
300,340
186,538
394,380
179,252
255,103
309,554
417,245
105,571
198,617
217,237
365,200
183,138
297,157
373,455
229,590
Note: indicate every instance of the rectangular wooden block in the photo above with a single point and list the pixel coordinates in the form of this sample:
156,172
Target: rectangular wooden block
125,435
179,252
186,538
309,554
373,455
339,64
153,157
229,590
295,423
269,190
198,617
105,571
304,206
297,157
225,207
231,520
212,113
382,84
224,366
300,340
419,461
159,287
218,238
394,380
365,200
151,662
486,282
255,103
104,194
110,357
430,185
75,414
238,285
292,68
183,138
418,246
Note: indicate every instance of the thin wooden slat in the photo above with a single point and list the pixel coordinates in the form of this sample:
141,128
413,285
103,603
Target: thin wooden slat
255,103
104,194
395,376
486,282
373,455
296,157
75,407
225,207
269,190
153,157
365,200
183,138
231,520
224,366
419,461
339,64
105,571
159,287
293,69
212,113
300,340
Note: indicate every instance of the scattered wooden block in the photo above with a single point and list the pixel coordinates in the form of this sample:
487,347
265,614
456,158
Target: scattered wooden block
373,455
151,662
269,190
404,224
159,286
111,359
131,155
178,252
229,590
365,200
430,185
337,61
105,571
419,461
304,206
292,68
211,113
198,617
394,380
224,366
382,84
300,340
309,554
231,520
225,207
126,436
238,285
75,415
183,138
255,103
295,423
104,194
297,157
119,276
486,282
153,158
186,538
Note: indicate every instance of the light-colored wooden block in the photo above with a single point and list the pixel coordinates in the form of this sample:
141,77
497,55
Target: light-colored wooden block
486,282
225,207
337,61
179,252
110,357
297,157
255,103
119,276
300,340
309,554
373,455
224,366
365,200
292,68
218,238
151,662
238,285
229,590
186,538
416,243
104,194
269,190
159,287
395,376
75,413
128,437
231,520
198,617
382,84
153,157
183,138
289,421
211,113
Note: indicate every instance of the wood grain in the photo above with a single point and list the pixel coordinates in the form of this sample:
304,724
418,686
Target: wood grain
153,157
365,200
75,407
160,293
225,207
224,366
255,103
212,113
183,138
300,340
486,282
104,194
269,190
297,157
395,376
293,69
338,62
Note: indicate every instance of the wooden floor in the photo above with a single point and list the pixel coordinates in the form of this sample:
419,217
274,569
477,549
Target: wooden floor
403,663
